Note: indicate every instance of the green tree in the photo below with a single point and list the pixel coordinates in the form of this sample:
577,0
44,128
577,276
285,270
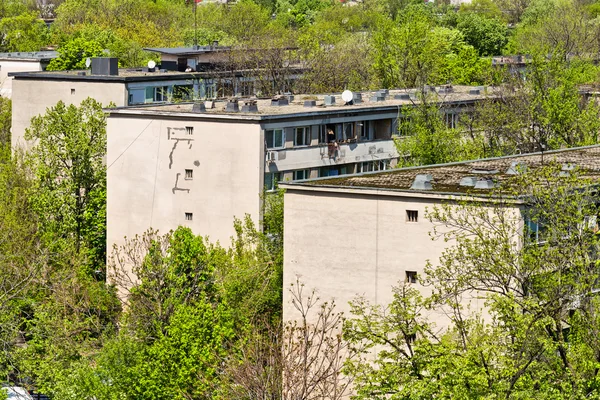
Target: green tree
487,35
531,252
425,138
24,32
72,55
5,121
543,112
70,178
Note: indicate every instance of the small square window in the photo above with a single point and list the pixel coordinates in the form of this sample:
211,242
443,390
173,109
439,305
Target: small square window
189,130
72,91
412,216
189,174
189,216
411,276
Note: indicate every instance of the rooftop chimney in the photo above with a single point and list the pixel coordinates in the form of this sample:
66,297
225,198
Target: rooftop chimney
329,100
198,108
250,106
232,106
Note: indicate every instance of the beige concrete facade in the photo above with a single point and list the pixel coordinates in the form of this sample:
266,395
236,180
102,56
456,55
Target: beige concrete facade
346,243
10,66
32,97
164,172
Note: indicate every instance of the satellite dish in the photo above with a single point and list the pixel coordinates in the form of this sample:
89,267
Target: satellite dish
347,96
151,64
88,62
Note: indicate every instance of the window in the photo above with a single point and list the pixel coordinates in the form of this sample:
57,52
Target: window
275,138
160,93
364,130
451,120
348,130
189,216
302,136
271,179
183,92
412,216
189,130
369,166
322,134
189,174
301,174
72,91
411,276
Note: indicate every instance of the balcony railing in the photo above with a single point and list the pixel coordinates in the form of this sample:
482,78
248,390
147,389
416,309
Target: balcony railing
324,155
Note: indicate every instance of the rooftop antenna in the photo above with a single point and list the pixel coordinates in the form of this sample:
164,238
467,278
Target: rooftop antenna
347,96
195,21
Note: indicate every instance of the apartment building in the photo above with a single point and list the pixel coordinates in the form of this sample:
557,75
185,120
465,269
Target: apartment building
201,165
34,92
364,233
21,62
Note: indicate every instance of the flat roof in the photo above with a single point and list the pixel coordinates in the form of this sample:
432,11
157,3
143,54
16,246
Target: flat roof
447,177
29,56
125,75
459,95
187,50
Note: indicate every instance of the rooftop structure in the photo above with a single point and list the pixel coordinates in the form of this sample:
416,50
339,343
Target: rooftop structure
21,62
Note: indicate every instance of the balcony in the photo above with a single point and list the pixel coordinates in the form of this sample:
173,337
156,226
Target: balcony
320,156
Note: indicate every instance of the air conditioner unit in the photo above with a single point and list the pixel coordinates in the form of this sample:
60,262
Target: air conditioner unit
271,156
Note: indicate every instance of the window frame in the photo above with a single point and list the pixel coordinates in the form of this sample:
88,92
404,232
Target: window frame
267,131
305,173
305,135
412,216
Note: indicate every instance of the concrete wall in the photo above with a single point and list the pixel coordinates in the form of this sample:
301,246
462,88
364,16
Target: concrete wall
33,97
147,186
347,244
7,66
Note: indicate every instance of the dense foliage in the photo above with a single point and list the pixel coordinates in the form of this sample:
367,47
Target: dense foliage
204,321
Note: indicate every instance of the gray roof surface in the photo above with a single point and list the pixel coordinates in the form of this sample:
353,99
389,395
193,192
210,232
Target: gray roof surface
447,177
460,94
187,50
29,55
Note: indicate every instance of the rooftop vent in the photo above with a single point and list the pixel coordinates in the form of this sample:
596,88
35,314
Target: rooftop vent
384,92
279,101
377,97
422,182
446,89
516,168
402,96
468,181
232,106
81,73
105,66
329,100
198,108
356,98
485,183
310,103
163,71
289,96
566,170
484,171
250,106
428,89
209,104
475,91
